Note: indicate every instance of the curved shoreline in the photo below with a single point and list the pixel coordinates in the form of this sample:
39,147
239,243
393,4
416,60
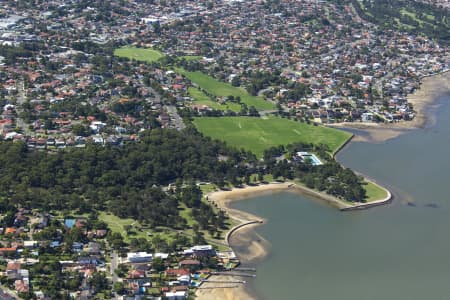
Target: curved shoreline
431,89
240,226
258,249
223,198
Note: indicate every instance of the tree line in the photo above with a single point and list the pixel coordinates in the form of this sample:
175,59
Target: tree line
125,180
412,16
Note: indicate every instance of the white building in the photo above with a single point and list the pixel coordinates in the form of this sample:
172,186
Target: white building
30,244
176,295
138,257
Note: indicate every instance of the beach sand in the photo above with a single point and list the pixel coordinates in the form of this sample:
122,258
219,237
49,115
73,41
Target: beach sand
422,100
228,292
252,246
223,198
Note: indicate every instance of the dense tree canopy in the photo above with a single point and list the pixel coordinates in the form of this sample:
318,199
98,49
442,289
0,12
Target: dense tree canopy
123,180
412,16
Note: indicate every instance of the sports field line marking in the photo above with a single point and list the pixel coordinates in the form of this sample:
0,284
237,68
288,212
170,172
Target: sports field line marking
296,131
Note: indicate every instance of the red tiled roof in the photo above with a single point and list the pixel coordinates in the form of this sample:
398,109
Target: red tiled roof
192,262
10,230
12,249
13,266
177,272
20,286
136,274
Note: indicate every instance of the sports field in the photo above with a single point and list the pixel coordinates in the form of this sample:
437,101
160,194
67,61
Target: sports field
258,134
223,89
140,54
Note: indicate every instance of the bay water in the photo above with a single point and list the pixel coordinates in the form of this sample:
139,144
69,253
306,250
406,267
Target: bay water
397,251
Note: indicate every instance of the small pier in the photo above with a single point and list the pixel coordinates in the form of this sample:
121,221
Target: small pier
225,281
234,274
218,287
245,269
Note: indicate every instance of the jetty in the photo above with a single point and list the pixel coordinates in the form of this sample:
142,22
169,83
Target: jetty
217,287
245,269
233,274
225,281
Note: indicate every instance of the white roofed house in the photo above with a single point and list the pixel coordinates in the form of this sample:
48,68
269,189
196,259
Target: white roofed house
180,295
161,255
200,250
96,126
139,257
98,139
30,244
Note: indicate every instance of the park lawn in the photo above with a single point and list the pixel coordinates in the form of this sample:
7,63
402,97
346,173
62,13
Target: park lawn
374,192
223,89
412,15
116,224
207,188
201,98
185,212
415,18
402,25
191,57
258,134
140,54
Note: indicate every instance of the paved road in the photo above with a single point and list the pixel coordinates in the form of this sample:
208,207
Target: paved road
7,294
20,101
113,268
156,95
175,120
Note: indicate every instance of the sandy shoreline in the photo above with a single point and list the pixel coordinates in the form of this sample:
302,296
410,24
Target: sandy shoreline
256,248
229,291
423,99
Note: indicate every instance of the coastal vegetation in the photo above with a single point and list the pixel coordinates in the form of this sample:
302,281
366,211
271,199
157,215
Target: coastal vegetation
328,177
259,134
374,192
